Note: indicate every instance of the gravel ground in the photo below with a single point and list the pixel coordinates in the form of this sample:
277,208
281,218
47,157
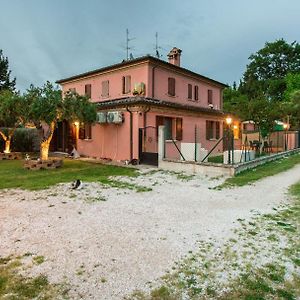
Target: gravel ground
107,242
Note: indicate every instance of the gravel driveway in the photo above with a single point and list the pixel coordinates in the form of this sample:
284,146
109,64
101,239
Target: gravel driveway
106,242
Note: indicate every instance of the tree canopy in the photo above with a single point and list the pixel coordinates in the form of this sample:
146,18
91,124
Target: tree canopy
12,112
268,67
48,106
5,82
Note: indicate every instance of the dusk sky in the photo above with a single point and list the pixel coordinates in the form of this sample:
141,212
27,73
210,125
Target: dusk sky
53,39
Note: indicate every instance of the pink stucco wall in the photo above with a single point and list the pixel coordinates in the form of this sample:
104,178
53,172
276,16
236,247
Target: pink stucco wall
161,76
138,73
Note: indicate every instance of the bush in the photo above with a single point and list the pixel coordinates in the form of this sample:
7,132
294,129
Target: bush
23,140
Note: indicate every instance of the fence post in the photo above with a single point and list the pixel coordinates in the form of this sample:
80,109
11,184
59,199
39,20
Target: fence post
161,143
195,142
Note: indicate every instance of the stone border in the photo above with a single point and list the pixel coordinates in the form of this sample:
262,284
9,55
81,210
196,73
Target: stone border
49,164
10,156
215,169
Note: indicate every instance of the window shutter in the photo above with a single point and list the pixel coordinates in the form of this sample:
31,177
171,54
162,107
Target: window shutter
88,90
190,91
88,131
179,129
217,130
123,85
81,132
171,86
196,93
207,130
210,97
105,88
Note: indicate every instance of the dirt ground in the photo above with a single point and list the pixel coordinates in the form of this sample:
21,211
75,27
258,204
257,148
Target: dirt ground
105,242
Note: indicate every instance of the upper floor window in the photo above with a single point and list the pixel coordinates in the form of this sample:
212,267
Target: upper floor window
190,91
105,88
88,90
196,92
210,97
171,86
126,84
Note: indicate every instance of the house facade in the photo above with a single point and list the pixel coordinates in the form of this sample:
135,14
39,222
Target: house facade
135,97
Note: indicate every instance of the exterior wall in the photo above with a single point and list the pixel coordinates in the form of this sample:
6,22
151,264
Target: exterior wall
189,121
108,141
138,73
161,76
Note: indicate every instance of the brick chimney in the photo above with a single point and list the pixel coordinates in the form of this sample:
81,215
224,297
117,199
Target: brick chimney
174,56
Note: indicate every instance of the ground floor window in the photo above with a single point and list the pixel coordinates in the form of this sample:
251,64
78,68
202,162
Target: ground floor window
173,127
85,131
212,130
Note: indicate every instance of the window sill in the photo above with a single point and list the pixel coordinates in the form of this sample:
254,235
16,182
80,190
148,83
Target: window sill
171,141
86,140
173,96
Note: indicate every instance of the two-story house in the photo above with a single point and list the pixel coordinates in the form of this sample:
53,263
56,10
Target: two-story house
136,96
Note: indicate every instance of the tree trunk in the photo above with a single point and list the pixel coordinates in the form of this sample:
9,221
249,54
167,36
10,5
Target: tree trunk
45,144
7,140
7,146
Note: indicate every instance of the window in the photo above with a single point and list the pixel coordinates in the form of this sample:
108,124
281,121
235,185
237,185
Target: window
171,86
168,128
170,124
210,97
85,131
88,90
126,84
105,89
213,130
196,92
190,91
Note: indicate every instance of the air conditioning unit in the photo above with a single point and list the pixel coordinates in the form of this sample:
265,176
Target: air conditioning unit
115,117
102,117
139,88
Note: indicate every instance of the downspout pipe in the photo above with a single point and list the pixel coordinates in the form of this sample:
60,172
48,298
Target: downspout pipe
131,135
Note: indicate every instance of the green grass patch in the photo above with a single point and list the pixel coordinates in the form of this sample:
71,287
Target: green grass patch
268,169
15,286
12,174
216,159
124,185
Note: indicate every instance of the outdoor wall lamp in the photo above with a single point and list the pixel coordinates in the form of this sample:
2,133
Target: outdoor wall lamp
76,123
228,120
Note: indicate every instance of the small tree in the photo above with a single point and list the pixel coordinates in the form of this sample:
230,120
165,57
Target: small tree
5,82
12,109
49,107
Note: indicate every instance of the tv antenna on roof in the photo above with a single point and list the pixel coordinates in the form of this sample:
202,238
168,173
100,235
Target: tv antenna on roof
127,44
157,54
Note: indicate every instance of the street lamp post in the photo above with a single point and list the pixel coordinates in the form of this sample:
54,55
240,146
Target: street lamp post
229,142
286,128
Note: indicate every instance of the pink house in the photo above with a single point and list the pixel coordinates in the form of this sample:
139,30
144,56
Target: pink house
136,96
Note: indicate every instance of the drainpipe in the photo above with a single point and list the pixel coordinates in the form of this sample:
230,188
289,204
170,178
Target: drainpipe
153,80
145,124
131,135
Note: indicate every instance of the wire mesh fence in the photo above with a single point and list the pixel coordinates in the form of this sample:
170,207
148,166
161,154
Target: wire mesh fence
228,148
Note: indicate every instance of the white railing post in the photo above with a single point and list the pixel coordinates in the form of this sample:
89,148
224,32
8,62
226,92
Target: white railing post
161,142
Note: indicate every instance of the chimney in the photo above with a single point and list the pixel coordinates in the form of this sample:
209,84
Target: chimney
174,56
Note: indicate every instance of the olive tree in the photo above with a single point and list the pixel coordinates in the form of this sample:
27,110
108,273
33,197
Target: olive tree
49,106
12,110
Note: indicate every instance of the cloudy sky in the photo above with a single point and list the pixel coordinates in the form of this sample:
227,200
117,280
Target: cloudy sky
53,39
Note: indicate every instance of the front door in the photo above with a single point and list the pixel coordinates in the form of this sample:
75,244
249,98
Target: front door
148,145
64,137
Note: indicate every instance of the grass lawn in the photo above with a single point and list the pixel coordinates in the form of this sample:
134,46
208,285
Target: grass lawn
12,174
216,159
262,171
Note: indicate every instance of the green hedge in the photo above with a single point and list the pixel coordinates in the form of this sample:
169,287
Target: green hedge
24,140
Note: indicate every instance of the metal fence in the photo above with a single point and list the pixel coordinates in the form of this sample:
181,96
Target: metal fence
228,149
